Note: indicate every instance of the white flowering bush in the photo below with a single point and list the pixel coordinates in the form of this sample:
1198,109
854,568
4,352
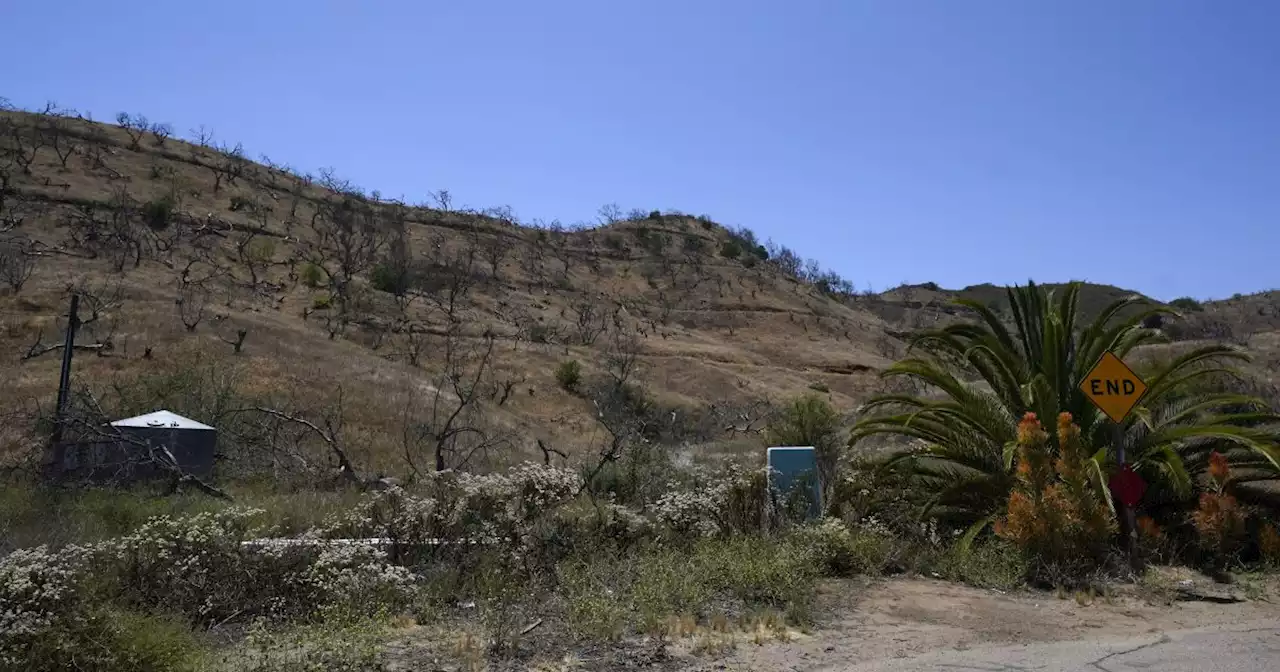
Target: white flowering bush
352,581
735,499
198,566
43,603
55,615
689,512
464,511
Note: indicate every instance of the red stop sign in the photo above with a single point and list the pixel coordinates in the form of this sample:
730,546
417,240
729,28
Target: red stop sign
1127,485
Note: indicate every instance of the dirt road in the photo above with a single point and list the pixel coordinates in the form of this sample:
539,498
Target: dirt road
1246,647
914,624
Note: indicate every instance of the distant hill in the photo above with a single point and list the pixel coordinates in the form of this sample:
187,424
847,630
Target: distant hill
403,314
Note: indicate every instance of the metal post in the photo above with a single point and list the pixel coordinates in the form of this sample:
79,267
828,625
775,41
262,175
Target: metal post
64,382
1128,531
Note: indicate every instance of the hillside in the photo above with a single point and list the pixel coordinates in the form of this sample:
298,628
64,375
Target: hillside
215,284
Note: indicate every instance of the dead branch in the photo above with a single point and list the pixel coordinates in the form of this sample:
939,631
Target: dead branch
546,452
330,434
39,348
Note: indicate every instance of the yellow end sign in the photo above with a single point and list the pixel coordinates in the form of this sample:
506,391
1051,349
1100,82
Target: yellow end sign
1113,387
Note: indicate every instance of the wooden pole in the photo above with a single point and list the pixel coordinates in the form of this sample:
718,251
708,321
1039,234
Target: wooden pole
64,380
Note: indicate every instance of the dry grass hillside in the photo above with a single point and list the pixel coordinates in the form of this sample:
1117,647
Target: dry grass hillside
240,292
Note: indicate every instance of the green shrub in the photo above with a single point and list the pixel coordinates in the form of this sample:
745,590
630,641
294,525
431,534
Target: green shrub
346,648
694,244
322,303
730,250
988,564
312,276
606,593
1187,304
158,214
391,278
569,374
819,387
593,610
239,203
840,551
146,643
810,420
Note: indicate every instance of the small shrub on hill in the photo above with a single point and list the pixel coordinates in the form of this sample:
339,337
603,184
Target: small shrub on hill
311,275
1187,304
391,278
158,214
693,244
569,375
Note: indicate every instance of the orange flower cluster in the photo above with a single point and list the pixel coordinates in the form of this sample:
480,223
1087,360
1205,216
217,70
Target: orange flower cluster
1219,470
1055,513
1030,431
1148,529
1219,520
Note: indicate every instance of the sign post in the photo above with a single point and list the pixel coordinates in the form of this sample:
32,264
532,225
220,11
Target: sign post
1115,389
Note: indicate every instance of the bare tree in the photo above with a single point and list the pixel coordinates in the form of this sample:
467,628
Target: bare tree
192,301
450,275
54,126
23,144
450,426
751,417
533,261
160,133
201,136
348,236
615,402
123,239
256,253
591,319
229,164
17,262
97,323
495,248
610,213
136,126
443,200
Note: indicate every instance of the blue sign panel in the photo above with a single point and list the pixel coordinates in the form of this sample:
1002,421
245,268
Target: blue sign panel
793,478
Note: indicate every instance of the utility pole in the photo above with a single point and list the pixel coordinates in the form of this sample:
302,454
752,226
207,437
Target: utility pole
64,382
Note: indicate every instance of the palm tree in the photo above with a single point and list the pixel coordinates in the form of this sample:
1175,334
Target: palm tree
966,436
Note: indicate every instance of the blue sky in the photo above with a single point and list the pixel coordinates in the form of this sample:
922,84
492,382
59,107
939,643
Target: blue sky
1134,143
